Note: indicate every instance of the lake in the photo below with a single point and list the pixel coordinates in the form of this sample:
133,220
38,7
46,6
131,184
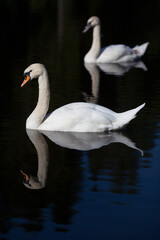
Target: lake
82,186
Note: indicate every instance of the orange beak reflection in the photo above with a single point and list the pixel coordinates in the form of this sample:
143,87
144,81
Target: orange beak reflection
26,79
26,177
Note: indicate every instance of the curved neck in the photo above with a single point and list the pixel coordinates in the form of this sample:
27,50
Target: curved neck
43,159
37,116
94,51
95,81
93,70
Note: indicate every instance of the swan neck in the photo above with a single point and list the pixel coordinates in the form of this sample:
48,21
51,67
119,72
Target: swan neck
96,42
37,116
43,158
94,51
95,76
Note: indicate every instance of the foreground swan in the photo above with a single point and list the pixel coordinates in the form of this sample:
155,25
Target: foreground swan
73,117
112,53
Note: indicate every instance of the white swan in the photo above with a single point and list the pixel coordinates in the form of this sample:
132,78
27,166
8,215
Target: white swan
73,117
112,53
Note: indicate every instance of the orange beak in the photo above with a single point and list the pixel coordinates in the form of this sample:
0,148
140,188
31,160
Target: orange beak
26,79
26,177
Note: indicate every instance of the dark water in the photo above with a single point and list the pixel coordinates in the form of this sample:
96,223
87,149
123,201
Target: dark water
112,190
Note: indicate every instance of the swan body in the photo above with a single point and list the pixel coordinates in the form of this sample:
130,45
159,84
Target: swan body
73,117
112,53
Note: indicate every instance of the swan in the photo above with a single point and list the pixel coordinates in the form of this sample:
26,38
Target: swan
112,53
73,117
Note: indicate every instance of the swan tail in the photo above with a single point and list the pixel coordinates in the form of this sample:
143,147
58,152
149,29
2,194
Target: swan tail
140,50
125,117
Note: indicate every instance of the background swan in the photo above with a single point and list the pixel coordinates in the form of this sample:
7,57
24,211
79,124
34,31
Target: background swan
112,53
73,117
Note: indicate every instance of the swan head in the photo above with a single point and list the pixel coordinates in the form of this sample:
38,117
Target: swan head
92,22
31,182
33,71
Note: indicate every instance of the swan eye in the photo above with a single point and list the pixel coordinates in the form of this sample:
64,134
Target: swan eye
27,73
25,77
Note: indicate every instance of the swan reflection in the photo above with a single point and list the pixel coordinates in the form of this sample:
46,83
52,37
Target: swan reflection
95,78
119,69
88,141
70,140
41,146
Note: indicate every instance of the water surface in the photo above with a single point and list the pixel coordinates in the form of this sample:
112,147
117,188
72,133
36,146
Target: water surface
92,186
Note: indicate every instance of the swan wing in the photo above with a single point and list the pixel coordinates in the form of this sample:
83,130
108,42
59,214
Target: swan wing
116,53
80,117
